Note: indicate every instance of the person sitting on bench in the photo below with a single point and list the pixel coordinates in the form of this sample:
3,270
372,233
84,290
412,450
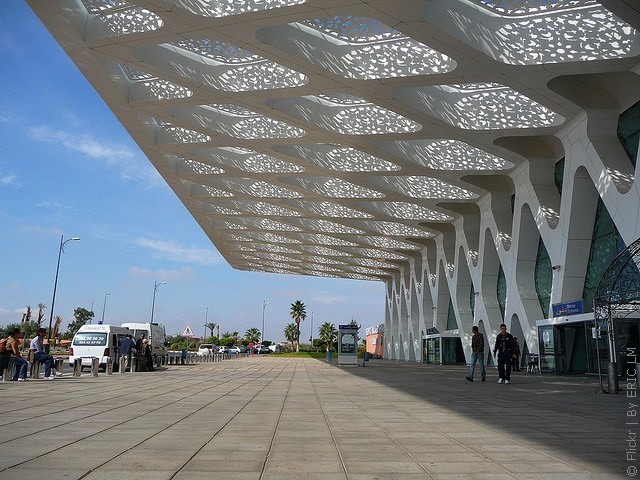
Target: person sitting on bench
19,363
41,356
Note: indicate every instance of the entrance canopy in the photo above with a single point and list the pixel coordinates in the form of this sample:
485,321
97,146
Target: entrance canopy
331,138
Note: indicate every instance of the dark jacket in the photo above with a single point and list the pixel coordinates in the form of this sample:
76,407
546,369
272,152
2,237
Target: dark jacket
477,343
505,343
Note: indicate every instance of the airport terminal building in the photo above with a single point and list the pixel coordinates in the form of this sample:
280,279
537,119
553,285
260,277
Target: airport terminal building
477,156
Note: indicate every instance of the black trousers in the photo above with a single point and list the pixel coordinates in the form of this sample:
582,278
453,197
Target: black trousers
504,365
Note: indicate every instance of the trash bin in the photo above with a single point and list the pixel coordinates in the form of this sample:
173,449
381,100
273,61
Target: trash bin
367,356
183,357
329,356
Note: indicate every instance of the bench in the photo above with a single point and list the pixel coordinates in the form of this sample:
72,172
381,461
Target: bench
6,366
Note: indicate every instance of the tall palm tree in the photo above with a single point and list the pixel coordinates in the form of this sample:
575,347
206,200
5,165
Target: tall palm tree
290,332
210,326
328,334
298,313
253,335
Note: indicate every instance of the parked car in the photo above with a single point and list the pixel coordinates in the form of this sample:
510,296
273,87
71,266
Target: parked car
223,349
275,348
261,349
205,349
235,349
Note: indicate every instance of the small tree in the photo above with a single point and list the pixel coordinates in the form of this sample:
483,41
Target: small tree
82,316
328,334
30,329
232,335
9,328
56,328
41,307
290,332
26,317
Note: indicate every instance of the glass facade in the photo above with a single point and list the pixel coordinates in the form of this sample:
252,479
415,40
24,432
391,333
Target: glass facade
501,291
543,278
452,324
629,131
606,243
558,174
472,301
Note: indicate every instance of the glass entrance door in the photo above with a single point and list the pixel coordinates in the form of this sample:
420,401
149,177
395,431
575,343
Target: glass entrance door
627,343
571,349
547,349
433,350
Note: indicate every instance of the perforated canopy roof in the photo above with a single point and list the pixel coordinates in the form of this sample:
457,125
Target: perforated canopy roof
332,137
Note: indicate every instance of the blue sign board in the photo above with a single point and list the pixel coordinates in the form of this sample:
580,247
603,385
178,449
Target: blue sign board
568,308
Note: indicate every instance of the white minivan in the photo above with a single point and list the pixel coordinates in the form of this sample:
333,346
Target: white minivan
97,341
153,332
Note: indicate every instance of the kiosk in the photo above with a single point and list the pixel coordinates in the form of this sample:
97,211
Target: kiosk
348,344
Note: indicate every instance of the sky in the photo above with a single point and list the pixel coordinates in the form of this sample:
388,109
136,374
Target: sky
67,167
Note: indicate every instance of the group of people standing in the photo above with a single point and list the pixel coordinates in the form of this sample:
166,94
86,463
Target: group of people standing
506,348
142,348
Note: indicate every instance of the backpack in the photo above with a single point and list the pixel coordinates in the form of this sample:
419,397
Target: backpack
3,345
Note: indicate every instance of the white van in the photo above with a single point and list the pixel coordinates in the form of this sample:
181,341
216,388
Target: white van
95,340
153,332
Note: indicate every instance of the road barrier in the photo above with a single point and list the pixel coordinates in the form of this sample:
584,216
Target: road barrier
95,366
77,367
128,364
109,368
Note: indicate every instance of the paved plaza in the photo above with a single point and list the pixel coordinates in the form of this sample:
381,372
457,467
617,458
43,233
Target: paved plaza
276,418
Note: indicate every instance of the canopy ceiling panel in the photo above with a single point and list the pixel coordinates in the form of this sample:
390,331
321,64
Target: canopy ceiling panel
318,137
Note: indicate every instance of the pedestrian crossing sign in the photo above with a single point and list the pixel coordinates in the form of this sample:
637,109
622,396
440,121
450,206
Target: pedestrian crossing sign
188,331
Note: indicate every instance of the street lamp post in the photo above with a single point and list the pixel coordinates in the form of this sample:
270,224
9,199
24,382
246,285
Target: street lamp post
311,336
156,284
63,242
206,318
104,306
264,305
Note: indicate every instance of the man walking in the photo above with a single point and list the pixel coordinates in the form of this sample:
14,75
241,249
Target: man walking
477,354
505,346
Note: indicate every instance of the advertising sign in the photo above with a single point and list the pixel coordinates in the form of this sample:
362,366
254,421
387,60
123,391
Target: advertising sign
348,345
